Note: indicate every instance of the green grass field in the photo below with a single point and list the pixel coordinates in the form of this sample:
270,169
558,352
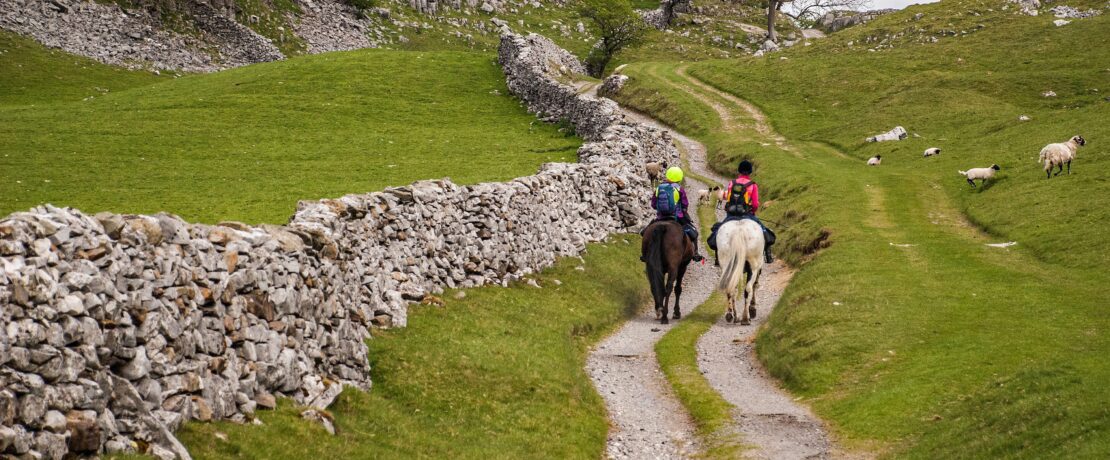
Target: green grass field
908,333
963,95
498,374
246,144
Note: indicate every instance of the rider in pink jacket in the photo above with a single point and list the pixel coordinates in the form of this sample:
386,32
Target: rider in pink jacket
743,207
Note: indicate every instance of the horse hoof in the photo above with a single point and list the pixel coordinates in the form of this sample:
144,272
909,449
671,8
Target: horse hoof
728,317
677,315
664,320
745,322
751,311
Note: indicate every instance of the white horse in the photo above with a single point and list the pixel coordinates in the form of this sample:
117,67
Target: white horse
740,251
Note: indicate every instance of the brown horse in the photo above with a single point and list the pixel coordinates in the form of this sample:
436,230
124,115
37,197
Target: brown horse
667,252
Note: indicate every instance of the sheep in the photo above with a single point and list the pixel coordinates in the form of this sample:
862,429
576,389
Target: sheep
932,151
1059,154
704,195
983,174
655,170
875,160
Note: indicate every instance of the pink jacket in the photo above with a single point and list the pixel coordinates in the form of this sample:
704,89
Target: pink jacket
753,191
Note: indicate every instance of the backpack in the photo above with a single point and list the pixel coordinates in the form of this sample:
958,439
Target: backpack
666,199
739,200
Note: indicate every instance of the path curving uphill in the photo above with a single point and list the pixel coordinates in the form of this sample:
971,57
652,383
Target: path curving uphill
767,419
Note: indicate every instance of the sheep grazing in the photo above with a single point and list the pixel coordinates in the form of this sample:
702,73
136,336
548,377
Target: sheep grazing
655,170
983,174
704,195
932,151
875,160
1059,154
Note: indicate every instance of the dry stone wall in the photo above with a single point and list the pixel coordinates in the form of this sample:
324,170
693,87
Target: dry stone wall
116,329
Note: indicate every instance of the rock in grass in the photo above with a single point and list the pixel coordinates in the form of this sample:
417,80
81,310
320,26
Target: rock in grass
896,134
321,417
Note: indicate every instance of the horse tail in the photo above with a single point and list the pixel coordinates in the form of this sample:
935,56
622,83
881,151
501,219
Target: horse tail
655,253
723,285
733,251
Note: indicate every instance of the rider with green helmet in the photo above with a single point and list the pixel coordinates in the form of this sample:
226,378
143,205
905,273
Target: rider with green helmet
669,202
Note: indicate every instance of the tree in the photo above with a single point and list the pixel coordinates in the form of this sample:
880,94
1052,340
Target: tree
807,11
773,8
617,24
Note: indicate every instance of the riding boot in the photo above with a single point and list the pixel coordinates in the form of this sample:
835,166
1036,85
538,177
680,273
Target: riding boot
694,239
769,240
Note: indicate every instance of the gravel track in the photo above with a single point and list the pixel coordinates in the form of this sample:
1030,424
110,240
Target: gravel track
648,422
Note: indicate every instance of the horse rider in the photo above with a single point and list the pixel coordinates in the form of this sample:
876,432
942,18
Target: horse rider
669,202
741,197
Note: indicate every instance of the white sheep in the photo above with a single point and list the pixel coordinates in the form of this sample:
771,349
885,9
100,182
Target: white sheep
983,174
1059,154
932,151
655,170
704,195
875,160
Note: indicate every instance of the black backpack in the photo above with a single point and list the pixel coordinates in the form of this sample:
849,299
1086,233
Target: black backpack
739,203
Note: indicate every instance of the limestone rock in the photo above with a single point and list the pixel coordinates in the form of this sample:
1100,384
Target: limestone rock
896,134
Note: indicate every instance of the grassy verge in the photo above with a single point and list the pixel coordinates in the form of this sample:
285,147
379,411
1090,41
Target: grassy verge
247,143
498,374
906,332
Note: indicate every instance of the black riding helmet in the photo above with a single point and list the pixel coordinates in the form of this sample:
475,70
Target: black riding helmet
745,167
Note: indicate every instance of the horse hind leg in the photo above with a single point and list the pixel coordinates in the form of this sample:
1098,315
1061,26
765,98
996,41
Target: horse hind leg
745,314
678,292
751,305
667,289
656,292
730,308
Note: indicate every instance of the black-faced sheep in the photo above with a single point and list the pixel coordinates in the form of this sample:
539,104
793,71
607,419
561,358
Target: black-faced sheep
704,195
983,174
1059,154
932,151
875,160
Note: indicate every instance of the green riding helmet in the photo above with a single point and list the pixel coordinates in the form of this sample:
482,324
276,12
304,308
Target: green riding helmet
674,174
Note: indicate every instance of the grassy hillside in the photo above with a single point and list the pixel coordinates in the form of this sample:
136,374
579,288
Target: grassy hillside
710,32
30,74
246,144
906,332
498,374
963,94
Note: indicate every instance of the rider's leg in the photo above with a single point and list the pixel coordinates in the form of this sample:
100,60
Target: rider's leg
692,233
768,240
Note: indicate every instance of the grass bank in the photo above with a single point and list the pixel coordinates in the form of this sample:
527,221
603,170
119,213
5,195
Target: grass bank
246,144
902,328
498,374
